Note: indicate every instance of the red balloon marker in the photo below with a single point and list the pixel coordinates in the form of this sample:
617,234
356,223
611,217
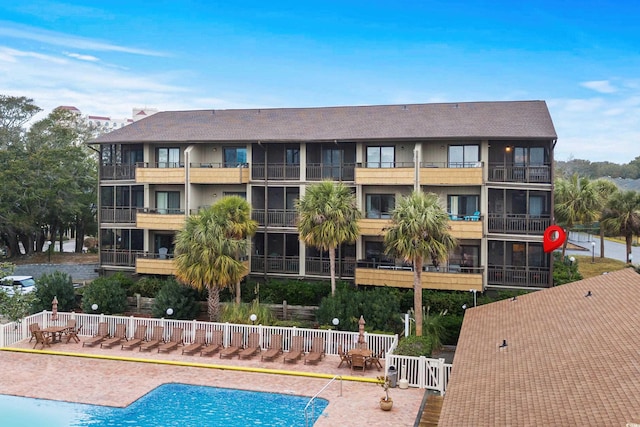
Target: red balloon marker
552,241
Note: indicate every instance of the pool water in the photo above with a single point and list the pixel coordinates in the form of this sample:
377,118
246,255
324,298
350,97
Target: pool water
179,405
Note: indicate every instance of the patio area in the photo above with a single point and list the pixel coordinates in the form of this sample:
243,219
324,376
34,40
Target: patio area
71,372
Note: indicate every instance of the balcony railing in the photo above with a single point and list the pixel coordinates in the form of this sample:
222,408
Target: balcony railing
322,267
160,165
518,223
451,267
118,257
117,172
521,277
275,171
162,211
275,264
321,171
499,172
118,215
275,217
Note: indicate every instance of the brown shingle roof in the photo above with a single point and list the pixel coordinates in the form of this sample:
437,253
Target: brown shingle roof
517,119
570,359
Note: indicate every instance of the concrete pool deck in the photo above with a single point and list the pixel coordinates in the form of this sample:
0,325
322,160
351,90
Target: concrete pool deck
110,382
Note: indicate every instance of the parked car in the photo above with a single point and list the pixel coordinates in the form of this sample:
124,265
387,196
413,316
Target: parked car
25,284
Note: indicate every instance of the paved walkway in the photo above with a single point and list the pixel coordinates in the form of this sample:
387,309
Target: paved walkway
613,250
118,383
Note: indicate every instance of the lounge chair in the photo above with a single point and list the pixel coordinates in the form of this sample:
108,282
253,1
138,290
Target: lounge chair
253,346
344,357
138,338
174,340
214,345
119,336
103,334
234,347
199,341
41,338
157,338
275,347
296,350
317,351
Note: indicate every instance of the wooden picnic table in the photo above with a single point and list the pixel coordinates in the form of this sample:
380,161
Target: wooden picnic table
55,332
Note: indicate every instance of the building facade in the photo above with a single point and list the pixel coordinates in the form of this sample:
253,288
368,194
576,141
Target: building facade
491,163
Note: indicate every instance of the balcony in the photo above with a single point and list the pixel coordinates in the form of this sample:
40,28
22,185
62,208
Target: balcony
453,278
160,173
217,173
335,172
518,277
373,226
518,224
117,172
322,267
540,174
275,172
400,173
275,217
436,173
275,264
160,219
118,257
119,215
466,228
153,263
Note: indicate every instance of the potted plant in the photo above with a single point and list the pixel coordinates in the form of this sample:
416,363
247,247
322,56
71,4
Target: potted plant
386,403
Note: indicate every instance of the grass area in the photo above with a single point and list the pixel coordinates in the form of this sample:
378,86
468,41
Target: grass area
601,265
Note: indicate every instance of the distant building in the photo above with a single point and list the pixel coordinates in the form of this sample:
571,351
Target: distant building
104,124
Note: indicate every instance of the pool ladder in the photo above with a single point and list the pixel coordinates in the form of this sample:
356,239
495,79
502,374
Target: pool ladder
313,399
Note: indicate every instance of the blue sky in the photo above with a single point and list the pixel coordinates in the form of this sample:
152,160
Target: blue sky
582,57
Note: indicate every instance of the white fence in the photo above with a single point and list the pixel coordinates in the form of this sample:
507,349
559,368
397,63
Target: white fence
418,371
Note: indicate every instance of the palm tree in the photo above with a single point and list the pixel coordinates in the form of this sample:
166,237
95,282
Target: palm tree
606,189
419,230
577,201
622,216
207,255
328,217
235,214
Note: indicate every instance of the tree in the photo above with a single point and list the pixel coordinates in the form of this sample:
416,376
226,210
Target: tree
56,284
622,216
605,189
576,201
235,214
328,217
206,255
14,113
419,230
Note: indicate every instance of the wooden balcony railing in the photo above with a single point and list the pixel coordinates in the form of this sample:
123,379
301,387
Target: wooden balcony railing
275,264
320,171
345,268
540,174
275,217
519,277
118,215
275,171
119,257
518,224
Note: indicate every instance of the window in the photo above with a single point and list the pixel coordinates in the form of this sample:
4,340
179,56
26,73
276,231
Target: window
168,202
463,205
168,157
380,157
235,157
293,156
464,156
332,163
380,205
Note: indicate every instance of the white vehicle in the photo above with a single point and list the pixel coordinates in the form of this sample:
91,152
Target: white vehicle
25,284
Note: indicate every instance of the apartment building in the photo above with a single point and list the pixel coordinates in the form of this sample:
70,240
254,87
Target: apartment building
491,163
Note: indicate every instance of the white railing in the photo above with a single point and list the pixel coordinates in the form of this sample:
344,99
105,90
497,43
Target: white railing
420,372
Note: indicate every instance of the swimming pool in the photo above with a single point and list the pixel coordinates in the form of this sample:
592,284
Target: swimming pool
169,405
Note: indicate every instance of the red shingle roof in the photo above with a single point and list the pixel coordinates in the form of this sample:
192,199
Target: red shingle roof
499,120
570,359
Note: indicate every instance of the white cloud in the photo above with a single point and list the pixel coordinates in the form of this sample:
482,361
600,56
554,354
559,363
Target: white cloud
81,57
9,29
601,86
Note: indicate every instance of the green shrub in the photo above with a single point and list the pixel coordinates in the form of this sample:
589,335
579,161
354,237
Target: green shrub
181,299
147,286
564,271
56,284
107,293
274,291
415,346
240,313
